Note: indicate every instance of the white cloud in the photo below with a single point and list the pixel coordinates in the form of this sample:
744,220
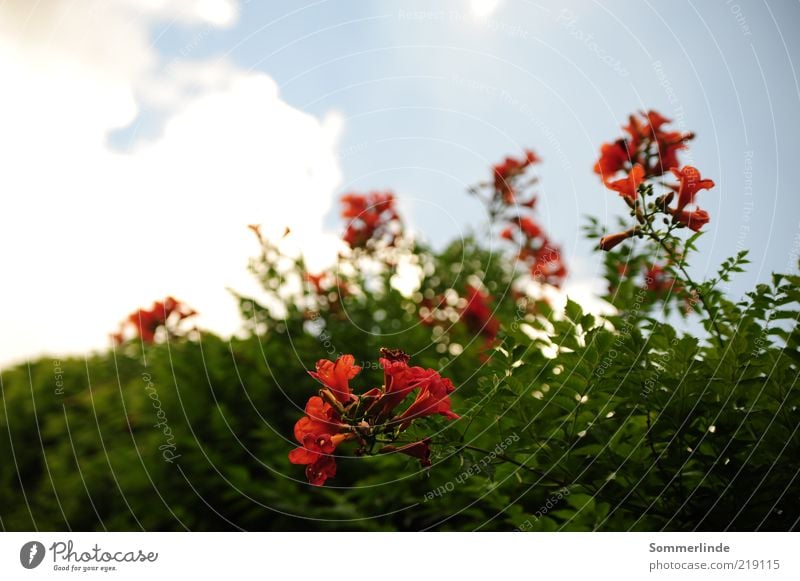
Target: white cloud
88,233
214,12
482,9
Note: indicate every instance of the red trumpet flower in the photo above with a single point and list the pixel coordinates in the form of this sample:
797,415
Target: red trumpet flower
628,187
166,314
690,183
506,172
337,376
420,450
694,219
477,314
371,217
337,415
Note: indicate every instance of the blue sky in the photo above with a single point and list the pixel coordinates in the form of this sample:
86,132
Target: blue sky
431,96
423,100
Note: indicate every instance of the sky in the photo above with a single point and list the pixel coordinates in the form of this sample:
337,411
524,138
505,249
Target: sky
138,138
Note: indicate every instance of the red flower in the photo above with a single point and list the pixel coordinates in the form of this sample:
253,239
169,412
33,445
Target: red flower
546,264
313,445
318,433
637,129
320,470
147,322
613,157
316,282
506,171
657,280
695,219
398,379
420,450
370,218
656,120
647,144
507,178
690,184
369,207
336,376
433,398
529,227
329,422
531,157
628,187
611,240
320,418
477,314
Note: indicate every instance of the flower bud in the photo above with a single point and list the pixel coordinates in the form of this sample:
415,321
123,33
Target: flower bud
611,240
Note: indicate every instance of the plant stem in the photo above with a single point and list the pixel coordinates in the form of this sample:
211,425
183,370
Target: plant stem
505,458
692,284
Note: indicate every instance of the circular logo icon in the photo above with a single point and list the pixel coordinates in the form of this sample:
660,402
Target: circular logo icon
31,554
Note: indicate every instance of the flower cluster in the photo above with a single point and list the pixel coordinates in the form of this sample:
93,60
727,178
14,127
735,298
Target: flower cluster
658,280
477,315
374,419
536,251
507,202
648,153
508,174
371,218
655,278
647,146
326,290
146,323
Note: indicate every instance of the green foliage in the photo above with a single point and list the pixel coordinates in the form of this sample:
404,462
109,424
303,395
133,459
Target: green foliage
597,424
